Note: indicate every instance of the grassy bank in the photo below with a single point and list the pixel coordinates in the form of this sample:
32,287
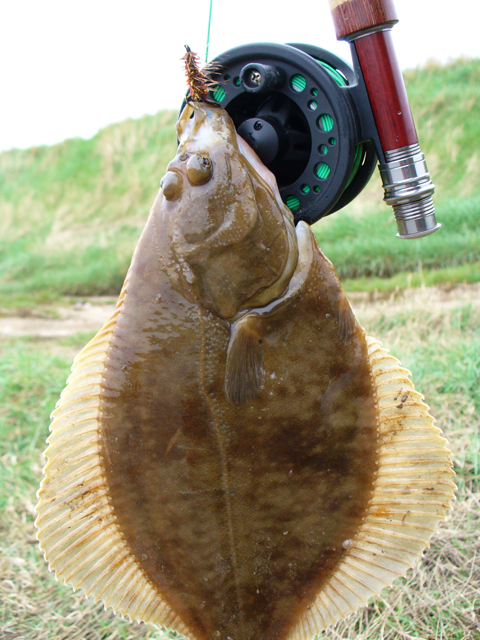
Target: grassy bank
366,246
70,214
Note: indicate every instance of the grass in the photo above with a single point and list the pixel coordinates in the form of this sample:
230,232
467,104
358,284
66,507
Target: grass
444,101
439,599
70,214
367,247
448,277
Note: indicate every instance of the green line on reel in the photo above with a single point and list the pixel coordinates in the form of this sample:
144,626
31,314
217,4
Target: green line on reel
219,93
325,120
292,202
298,82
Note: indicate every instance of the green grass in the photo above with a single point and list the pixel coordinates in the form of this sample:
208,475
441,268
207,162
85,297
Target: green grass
70,214
95,270
437,340
451,276
444,101
366,246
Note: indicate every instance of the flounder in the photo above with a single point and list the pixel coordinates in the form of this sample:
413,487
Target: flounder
232,458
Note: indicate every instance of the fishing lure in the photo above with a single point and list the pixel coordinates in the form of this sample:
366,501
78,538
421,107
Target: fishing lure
199,81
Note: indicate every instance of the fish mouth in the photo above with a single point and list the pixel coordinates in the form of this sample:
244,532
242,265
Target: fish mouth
250,155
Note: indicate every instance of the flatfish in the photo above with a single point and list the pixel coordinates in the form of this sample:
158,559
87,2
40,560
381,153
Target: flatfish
232,458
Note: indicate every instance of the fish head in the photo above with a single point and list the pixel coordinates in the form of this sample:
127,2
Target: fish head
232,241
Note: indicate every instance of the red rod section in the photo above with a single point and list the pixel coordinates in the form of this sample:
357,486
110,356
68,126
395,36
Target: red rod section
366,25
352,16
386,90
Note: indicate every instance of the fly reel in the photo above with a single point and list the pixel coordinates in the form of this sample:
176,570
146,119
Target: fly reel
306,115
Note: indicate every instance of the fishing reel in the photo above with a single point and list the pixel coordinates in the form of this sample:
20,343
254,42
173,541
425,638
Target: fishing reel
321,126
302,111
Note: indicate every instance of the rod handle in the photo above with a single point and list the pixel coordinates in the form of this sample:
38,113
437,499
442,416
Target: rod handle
366,24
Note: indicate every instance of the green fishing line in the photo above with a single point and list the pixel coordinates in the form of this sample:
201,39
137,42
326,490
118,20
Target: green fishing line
292,202
208,30
298,82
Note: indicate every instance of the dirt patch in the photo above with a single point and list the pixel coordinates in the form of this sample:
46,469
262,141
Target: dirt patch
87,317
59,321
369,307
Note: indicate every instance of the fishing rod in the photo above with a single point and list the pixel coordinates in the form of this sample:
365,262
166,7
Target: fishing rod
322,126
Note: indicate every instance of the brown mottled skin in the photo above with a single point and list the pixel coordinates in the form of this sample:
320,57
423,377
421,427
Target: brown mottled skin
236,512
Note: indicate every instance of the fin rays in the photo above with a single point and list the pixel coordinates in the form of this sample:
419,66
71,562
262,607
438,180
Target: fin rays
77,528
76,525
346,319
244,372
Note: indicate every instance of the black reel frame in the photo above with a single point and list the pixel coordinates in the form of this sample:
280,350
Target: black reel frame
307,115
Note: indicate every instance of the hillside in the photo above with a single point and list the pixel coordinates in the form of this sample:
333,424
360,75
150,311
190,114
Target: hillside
70,214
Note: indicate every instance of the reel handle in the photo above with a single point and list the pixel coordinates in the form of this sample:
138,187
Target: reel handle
367,24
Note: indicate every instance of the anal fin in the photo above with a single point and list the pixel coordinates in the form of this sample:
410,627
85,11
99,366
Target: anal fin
412,493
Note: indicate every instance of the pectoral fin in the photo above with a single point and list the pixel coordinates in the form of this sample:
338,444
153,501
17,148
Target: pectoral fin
346,319
244,372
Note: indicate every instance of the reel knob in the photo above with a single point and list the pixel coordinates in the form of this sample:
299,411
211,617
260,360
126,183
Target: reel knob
262,137
260,78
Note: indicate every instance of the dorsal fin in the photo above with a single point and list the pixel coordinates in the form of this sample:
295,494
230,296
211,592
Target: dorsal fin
244,372
76,524
412,493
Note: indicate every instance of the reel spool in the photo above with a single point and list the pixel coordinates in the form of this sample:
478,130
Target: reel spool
306,115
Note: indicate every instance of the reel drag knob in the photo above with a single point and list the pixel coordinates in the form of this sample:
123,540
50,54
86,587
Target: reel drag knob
262,137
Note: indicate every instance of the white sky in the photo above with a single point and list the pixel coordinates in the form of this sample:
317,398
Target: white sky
69,68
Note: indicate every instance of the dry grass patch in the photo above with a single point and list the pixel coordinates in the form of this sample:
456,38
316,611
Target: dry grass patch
440,598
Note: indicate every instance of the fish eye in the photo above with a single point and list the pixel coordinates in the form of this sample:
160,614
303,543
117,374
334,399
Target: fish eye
199,169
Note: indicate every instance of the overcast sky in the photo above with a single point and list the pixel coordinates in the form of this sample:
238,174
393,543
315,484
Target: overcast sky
70,68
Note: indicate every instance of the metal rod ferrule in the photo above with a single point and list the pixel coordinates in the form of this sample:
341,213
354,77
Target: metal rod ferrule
408,189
